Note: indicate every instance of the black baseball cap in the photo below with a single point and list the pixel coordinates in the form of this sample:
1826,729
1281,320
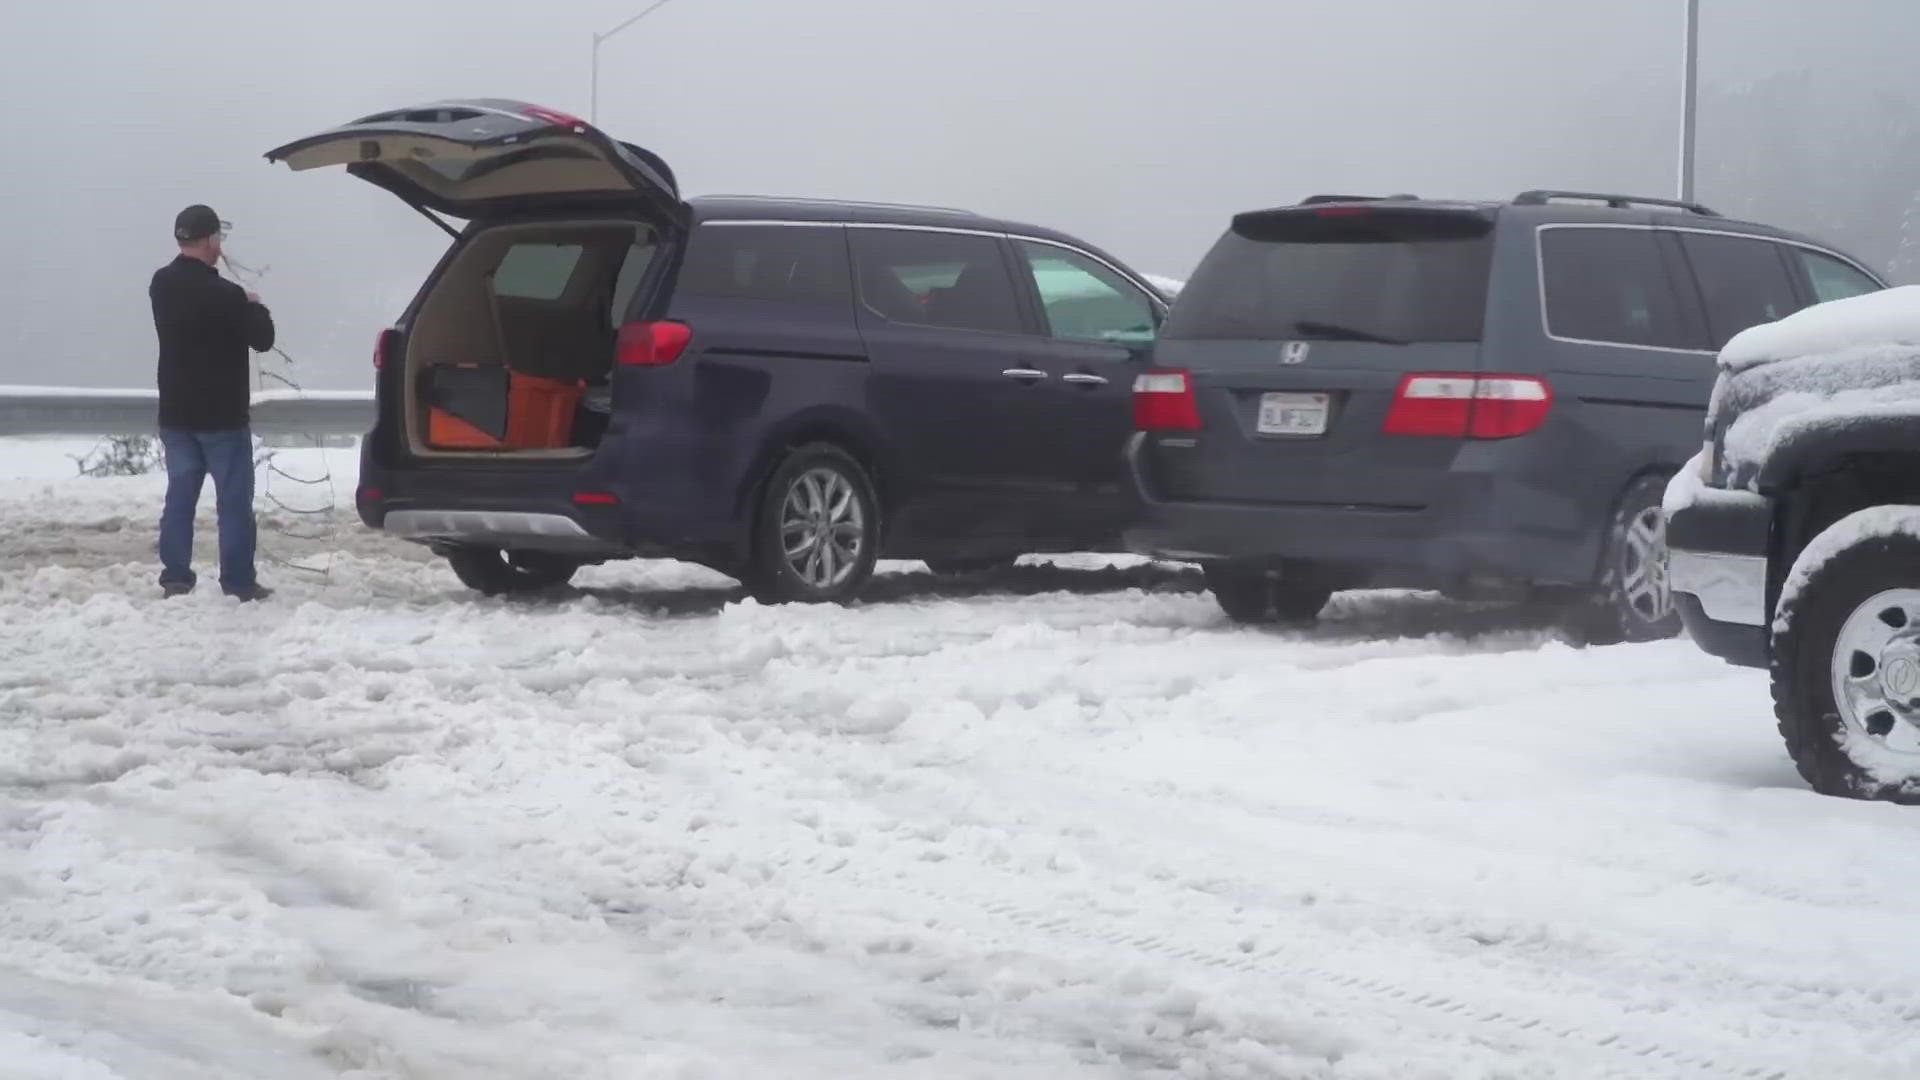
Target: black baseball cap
197,223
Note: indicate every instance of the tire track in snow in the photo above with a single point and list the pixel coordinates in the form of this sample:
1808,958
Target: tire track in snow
1418,1001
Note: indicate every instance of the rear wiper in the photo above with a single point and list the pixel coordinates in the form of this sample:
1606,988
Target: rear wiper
1336,332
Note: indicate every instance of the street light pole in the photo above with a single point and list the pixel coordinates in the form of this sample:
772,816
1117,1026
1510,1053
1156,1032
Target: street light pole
593,97
1690,103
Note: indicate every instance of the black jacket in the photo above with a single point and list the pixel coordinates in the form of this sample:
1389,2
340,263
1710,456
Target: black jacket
206,325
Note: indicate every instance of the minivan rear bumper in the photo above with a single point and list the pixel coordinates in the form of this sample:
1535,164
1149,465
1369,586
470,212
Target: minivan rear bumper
1474,526
562,511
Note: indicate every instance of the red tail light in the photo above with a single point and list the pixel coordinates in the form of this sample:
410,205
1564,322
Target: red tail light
1469,406
595,498
1164,401
380,349
652,344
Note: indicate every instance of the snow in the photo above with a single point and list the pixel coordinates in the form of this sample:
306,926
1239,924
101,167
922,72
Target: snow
1889,317
1168,285
1686,488
1063,821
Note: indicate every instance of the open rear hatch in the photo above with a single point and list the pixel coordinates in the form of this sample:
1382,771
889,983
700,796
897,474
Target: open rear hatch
487,157
1300,336
490,363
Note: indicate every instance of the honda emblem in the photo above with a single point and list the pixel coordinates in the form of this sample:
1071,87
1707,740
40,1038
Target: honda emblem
1294,352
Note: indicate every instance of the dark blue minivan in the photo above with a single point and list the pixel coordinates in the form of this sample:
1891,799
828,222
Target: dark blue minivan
782,390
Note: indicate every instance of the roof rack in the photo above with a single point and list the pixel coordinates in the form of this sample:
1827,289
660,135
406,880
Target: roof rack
1618,202
807,201
1315,200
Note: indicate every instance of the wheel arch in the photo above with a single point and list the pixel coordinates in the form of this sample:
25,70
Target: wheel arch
1825,481
834,425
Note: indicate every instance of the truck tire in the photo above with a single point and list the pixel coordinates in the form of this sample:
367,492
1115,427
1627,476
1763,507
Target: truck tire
1846,672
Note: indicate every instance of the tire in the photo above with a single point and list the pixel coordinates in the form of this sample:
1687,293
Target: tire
791,507
496,573
1254,596
977,565
1634,601
1862,749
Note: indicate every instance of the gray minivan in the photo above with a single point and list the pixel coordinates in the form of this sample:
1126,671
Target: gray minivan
1484,398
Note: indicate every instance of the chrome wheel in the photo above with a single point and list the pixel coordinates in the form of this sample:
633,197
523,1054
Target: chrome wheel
1876,670
823,528
1643,567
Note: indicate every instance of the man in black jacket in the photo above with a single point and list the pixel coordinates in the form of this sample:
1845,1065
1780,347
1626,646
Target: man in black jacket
206,324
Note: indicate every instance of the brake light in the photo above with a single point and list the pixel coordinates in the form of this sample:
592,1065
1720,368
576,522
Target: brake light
380,350
1469,406
370,494
595,498
1164,401
652,344
552,116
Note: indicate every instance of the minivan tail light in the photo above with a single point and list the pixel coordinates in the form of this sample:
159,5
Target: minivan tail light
652,344
380,350
1459,406
1163,401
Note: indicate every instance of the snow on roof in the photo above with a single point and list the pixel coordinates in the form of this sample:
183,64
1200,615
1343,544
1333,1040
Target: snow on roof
1890,317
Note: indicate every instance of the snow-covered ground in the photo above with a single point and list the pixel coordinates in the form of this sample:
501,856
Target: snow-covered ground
1061,822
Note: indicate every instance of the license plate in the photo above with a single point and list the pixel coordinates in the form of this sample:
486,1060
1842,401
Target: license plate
1293,414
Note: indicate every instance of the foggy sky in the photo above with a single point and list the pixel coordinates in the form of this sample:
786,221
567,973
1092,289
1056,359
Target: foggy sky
1138,125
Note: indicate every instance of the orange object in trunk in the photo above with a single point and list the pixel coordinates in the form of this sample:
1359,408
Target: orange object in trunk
540,411
446,431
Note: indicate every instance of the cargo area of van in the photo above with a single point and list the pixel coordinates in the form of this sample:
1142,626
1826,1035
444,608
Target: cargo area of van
511,351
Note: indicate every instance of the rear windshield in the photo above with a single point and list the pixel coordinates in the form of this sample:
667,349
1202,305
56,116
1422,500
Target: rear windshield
1292,276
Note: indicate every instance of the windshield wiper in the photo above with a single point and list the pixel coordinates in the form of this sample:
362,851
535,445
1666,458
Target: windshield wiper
1336,332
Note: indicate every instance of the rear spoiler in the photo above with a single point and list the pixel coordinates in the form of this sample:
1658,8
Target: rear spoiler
1365,221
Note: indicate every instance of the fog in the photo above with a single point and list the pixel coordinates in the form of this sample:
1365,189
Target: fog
1138,125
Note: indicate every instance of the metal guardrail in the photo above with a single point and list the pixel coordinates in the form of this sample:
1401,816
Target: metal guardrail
55,410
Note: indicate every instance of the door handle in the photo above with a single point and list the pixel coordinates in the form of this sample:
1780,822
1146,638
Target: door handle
1082,378
1025,374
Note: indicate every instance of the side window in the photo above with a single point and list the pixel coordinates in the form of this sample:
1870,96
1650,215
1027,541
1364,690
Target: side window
1743,282
1829,278
801,264
633,271
1083,300
1611,286
536,271
954,280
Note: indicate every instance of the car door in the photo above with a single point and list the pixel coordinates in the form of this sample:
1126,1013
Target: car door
953,384
1097,327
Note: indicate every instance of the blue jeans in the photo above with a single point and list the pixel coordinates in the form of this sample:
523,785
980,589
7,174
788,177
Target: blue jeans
191,457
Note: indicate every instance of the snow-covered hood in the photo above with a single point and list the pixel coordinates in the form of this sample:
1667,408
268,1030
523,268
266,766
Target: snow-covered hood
1824,367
